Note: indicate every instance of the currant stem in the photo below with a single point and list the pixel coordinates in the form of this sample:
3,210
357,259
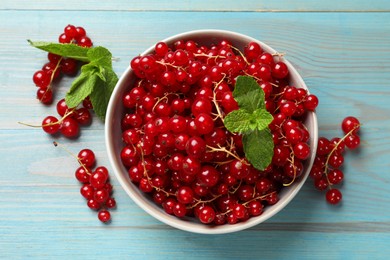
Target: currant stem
50,124
335,148
204,201
258,198
241,54
56,144
215,100
292,161
223,149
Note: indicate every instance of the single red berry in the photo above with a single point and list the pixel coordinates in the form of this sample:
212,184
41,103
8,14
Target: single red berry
70,128
93,204
179,210
45,95
349,124
87,191
101,195
104,216
50,125
70,31
301,150
63,38
335,176
84,41
80,32
185,195
62,108
82,174
311,102
98,179
333,196
86,157
280,70
41,79
206,215
352,141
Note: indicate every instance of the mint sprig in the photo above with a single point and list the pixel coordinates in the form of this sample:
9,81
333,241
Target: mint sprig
97,78
252,120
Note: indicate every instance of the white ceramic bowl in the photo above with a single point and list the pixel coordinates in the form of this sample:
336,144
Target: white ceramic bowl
114,143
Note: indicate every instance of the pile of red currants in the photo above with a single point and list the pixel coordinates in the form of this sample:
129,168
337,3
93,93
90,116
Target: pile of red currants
176,147
329,158
57,65
71,118
96,187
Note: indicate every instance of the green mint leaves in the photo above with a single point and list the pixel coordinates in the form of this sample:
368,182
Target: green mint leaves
252,120
97,78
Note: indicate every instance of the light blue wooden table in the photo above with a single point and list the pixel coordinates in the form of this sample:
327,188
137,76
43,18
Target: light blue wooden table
342,50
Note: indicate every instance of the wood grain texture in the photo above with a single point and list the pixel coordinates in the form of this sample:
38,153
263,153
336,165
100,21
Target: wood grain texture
203,5
343,58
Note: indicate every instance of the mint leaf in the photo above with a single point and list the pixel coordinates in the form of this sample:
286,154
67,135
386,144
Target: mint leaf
102,91
258,148
111,80
68,50
248,94
99,98
238,121
81,88
262,118
252,120
100,56
97,79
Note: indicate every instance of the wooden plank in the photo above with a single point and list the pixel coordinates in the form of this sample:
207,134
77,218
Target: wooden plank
203,5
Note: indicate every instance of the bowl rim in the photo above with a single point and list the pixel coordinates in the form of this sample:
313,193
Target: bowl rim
182,224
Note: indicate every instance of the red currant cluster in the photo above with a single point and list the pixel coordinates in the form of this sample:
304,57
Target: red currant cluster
58,65
329,159
71,119
96,187
176,146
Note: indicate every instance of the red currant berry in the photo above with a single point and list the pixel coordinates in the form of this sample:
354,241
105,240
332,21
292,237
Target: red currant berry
208,176
45,95
206,214
98,179
311,102
84,41
70,128
204,123
104,216
349,124
82,174
185,195
352,141
50,125
301,150
87,191
70,31
333,196
335,176
280,70
101,195
86,157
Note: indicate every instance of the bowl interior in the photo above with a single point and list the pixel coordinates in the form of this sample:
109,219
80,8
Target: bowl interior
114,143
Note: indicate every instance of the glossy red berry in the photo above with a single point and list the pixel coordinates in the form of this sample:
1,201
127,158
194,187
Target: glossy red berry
104,216
70,128
50,125
349,124
86,157
333,196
